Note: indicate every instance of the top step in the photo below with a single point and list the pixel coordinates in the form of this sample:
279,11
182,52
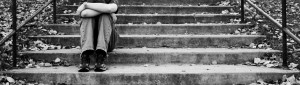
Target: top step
159,9
158,2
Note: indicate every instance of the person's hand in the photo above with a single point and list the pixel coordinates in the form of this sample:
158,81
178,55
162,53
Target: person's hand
114,17
81,8
84,4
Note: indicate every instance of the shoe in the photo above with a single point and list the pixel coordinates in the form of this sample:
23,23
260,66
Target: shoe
84,68
85,61
100,58
100,68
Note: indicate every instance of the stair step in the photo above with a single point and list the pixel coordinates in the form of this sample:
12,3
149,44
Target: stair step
160,55
155,41
167,18
148,29
161,75
160,9
158,2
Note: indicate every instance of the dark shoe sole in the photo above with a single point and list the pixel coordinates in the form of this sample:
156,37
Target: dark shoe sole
100,69
84,69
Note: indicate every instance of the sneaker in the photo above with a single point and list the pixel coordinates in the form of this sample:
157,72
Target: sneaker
85,61
100,68
100,58
84,68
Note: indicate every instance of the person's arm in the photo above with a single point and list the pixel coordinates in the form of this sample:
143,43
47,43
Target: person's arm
89,13
80,9
102,7
92,13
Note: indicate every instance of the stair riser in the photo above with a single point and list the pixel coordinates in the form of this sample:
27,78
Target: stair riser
156,42
150,78
158,2
159,10
158,58
125,19
149,30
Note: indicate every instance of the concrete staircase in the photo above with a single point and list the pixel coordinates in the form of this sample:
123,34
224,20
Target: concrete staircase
167,42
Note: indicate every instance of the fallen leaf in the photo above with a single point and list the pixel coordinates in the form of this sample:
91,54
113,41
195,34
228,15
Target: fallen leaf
270,65
192,64
284,77
214,62
48,65
158,23
293,65
251,45
10,79
146,65
291,79
257,60
261,82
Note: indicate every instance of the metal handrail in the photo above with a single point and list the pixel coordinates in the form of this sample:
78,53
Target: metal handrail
25,22
274,21
287,31
16,28
283,27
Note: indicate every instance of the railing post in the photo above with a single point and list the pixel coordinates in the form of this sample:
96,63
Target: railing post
54,11
284,36
242,11
14,27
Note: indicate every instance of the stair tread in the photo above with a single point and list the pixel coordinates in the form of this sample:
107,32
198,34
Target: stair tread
154,41
160,9
164,50
161,69
201,24
160,2
152,6
196,15
164,36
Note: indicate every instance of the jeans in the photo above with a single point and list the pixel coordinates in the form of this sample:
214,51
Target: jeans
98,33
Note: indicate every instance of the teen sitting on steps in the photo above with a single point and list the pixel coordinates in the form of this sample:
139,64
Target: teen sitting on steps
97,30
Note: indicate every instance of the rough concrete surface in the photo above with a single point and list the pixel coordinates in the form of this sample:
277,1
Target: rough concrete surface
156,41
167,18
151,29
160,55
151,74
159,9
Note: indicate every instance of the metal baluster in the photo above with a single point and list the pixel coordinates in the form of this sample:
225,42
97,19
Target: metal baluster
284,36
242,11
14,27
54,11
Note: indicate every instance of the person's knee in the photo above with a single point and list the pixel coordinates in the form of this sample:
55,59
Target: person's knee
84,14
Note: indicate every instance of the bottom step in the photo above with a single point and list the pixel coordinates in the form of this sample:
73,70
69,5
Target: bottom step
160,55
151,74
